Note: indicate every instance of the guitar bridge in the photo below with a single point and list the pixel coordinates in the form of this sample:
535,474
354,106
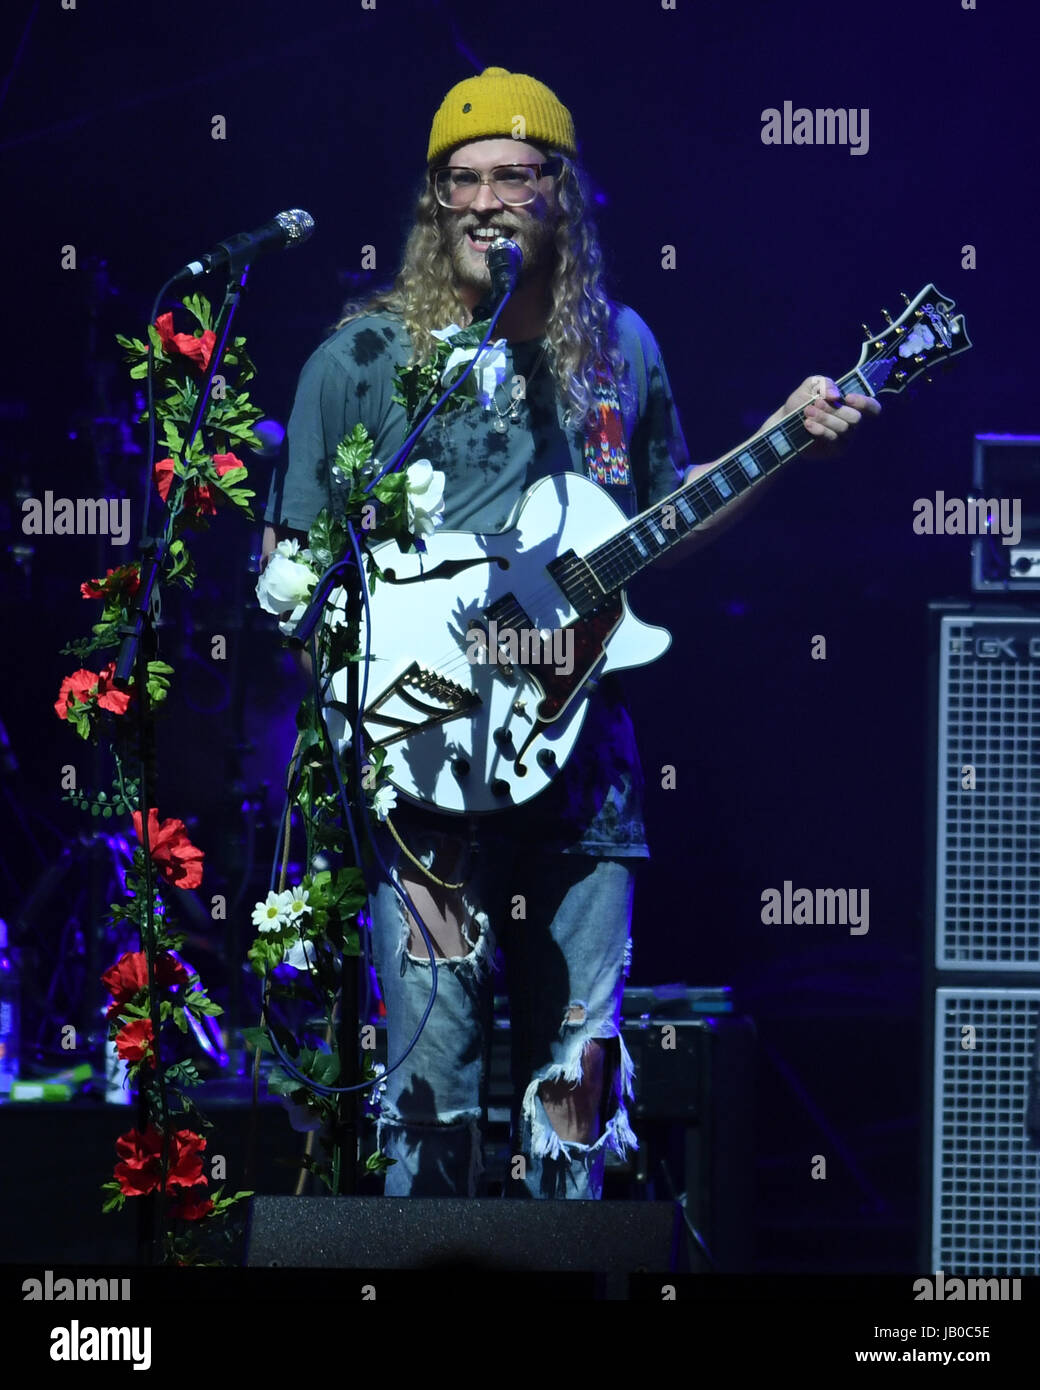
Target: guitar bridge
453,701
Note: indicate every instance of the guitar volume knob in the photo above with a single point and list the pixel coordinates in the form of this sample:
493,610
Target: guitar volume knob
546,759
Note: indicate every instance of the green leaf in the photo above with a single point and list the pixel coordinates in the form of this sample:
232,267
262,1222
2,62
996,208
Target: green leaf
116,1197
319,540
279,1083
378,1163
325,1068
184,1073
199,308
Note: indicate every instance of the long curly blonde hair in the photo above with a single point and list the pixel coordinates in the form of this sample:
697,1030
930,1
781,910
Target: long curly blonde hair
581,331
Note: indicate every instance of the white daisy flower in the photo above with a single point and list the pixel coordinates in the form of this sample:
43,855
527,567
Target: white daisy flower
272,914
298,904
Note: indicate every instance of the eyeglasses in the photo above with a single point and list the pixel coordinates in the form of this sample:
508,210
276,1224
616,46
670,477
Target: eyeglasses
512,184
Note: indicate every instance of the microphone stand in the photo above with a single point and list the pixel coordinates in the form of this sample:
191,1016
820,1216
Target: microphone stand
138,645
346,573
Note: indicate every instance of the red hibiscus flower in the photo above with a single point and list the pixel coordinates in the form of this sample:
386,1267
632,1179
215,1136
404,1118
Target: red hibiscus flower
109,696
125,980
126,580
134,1041
163,474
189,1208
199,500
224,463
197,350
75,689
179,861
141,1167
81,685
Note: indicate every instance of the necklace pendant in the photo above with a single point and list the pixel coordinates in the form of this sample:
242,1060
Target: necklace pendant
501,424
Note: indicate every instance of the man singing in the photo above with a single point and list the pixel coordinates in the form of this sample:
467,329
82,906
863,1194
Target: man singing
548,885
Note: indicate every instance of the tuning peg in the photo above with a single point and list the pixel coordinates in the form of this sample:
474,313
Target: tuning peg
866,332
919,357
888,316
904,296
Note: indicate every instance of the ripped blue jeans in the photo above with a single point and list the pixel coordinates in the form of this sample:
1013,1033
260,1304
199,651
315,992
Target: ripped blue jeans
561,923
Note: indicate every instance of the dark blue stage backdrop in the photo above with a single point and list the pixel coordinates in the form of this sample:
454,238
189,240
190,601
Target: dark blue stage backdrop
754,264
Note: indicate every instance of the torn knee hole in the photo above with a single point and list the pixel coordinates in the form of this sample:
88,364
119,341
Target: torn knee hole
575,1014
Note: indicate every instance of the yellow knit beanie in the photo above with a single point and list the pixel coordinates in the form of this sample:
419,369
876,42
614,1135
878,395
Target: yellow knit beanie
503,103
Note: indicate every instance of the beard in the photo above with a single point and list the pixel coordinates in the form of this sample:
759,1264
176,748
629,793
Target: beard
534,236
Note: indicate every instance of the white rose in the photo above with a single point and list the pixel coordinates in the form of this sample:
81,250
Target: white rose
425,488
285,582
490,372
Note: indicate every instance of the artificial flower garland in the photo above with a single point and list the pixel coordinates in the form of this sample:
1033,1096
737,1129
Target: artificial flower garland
192,484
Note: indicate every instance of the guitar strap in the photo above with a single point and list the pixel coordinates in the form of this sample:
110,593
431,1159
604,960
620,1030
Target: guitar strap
606,449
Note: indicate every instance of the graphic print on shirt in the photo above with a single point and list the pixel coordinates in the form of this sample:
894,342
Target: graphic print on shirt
606,452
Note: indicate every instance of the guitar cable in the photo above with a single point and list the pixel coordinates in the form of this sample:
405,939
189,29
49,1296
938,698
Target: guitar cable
440,882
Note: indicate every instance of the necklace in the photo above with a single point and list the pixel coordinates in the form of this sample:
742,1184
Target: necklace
504,418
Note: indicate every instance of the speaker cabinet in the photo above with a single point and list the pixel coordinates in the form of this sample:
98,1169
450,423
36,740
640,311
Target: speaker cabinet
982,978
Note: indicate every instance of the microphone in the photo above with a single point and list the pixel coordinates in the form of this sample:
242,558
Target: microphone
288,229
504,259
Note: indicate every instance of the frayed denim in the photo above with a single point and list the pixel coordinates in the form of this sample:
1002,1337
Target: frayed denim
561,925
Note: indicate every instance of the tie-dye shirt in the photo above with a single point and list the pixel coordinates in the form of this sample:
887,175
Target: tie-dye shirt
637,453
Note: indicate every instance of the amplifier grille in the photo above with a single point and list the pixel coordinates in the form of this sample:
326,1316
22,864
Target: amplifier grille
988,862
986,1179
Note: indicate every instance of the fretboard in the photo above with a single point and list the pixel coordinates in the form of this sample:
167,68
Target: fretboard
588,579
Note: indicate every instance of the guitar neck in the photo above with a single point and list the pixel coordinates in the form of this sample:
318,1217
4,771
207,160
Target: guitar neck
588,579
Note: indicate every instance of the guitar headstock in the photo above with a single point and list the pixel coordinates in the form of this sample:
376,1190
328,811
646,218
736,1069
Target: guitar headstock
925,335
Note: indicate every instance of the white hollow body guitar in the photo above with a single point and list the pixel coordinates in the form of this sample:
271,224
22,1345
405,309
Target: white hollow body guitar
483,647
